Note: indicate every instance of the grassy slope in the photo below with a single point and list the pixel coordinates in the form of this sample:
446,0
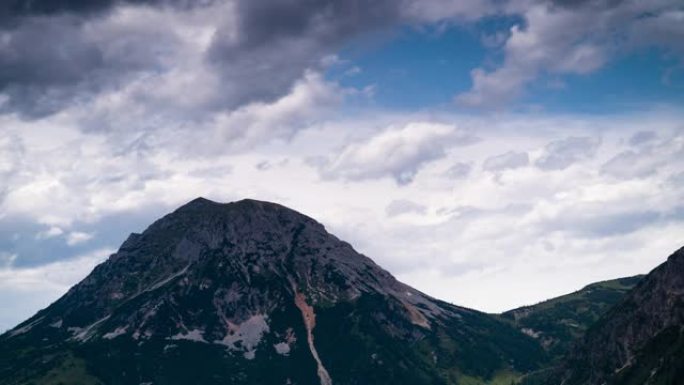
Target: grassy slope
558,322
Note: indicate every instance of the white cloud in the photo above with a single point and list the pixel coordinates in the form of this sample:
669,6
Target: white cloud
53,231
310,98
396,152
77,237
571,39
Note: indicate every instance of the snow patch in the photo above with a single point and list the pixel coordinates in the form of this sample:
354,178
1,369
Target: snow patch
57,324
84,334
282,348
190,335
247,334
531,332
117,332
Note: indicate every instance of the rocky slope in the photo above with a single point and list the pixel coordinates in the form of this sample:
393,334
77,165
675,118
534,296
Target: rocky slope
557,323
254,293
641,340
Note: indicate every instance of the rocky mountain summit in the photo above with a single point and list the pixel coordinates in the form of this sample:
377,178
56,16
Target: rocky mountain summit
252,292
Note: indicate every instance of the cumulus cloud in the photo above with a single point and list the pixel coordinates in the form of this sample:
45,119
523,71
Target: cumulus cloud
556,38
561,154
310,98
275,42
396,152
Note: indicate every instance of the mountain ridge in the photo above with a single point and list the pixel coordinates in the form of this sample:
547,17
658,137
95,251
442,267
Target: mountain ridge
641,339
558,322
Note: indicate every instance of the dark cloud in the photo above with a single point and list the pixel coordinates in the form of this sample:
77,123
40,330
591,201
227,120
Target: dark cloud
24,8
39,58
55,54
277,40
602,4
13,9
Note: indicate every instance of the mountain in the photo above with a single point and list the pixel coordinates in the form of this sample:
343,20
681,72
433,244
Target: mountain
640,340
252,292
557,323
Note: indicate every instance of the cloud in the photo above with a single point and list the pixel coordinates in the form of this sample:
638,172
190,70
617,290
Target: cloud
396,152
460,170
28,289
561,154
642,137
220,54
50,63
402,206
11,158
77,237
630,164
275,42
7,259
310,98
52,232
551,41
556,38
651,156
509,160
436,11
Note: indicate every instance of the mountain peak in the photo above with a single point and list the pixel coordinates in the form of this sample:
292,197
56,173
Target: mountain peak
241,208
256,281
200,202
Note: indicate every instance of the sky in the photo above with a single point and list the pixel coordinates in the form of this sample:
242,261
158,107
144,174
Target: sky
491,153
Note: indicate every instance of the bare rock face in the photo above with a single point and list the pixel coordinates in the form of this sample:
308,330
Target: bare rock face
253,293
641,340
